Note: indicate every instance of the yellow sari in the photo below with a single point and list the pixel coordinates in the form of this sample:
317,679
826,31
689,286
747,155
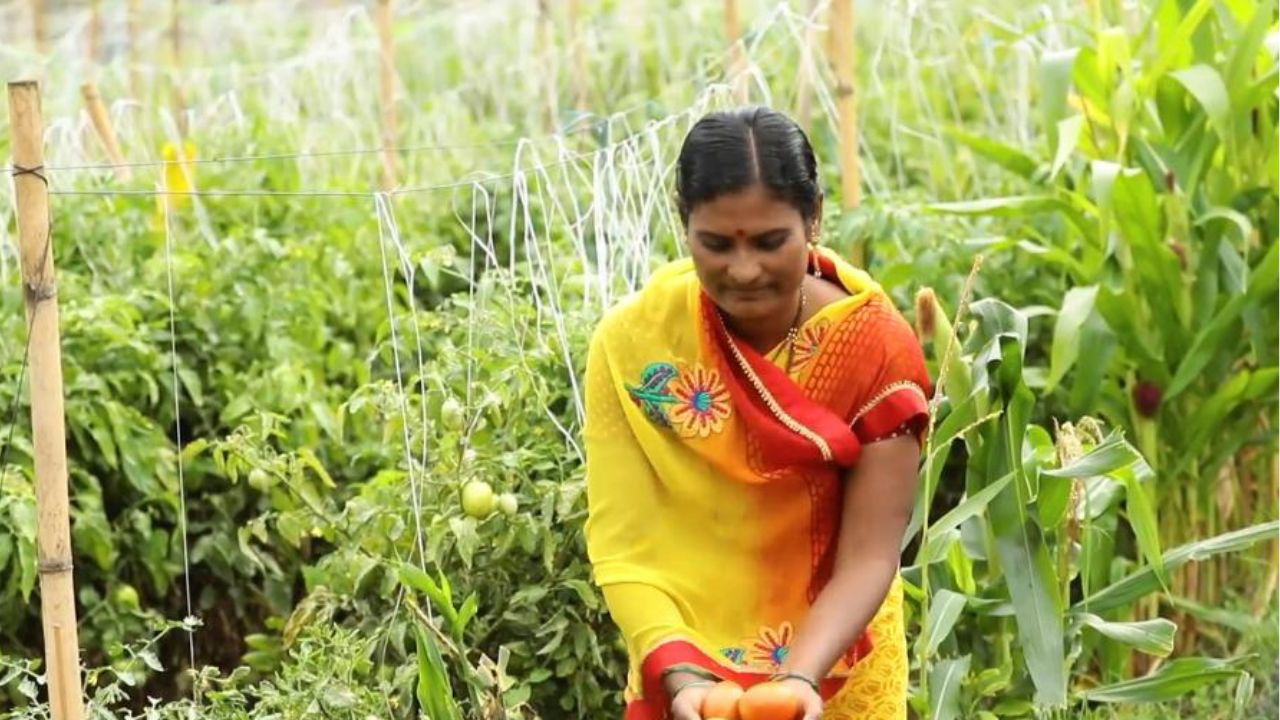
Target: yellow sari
715,482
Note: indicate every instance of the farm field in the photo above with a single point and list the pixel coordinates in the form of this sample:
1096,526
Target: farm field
325,268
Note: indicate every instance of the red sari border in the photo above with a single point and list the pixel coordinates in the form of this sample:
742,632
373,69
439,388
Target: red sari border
793,429
902,403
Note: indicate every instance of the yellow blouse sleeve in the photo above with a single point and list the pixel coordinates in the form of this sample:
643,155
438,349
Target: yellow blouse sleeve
645,615
617,517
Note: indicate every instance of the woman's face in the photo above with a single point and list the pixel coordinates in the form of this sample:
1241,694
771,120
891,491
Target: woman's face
750,251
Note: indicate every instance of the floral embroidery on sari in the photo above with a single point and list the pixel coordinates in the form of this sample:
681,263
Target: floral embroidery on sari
702,404
693,402
809,342
771,647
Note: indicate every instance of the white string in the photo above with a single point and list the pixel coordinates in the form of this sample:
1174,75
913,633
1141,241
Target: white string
380,201
177,421
408,272
779,15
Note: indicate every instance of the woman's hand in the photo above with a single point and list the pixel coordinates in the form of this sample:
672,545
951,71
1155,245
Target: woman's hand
687,703
810,700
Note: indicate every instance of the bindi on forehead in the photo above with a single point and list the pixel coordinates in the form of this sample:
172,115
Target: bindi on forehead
740,233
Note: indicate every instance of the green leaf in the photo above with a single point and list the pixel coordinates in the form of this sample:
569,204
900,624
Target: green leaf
1241,388
191,382
972,505
993,680
464,531
1028,569
310,461
465,613
1242,699
585,593
945,678
416,579
937,547
339,698
1206,86
1174,679
1155,267
235,409
1141,582
1243,226
1005,156
149,658
1245,623
1142,516
1013,707
1068,137
1108,456
1055,84
944,611
1245,50
1012,206
1174,43
1153,637
1077,305
1262,282
193,449
1092,368
434,692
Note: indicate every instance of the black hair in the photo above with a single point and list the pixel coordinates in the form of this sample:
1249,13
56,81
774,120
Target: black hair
731,150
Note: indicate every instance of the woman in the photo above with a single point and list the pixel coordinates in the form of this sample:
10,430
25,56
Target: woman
753,426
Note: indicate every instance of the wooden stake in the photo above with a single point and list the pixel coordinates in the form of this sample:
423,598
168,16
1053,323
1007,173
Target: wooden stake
547,50
842,42
106,133
804,79
135,55
38,27
737,53
57,587
95,30
387,93
578,44
179,95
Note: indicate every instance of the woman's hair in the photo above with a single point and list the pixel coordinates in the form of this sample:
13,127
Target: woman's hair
731,150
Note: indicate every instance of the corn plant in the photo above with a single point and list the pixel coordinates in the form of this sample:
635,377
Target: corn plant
1154,200
1027,586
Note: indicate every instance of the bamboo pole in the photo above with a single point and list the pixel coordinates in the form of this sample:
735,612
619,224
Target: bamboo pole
102,125
387,92
737,53
804,77
132,23
95,30
579,56
39,28
842,43
179,95
57,586
547,50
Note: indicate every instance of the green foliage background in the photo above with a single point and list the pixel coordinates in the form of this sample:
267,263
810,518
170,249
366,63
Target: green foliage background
340,365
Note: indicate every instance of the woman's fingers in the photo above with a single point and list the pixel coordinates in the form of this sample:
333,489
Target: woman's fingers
688,704
812,706
684,713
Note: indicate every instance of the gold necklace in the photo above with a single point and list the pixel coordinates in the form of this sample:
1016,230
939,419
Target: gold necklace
793,333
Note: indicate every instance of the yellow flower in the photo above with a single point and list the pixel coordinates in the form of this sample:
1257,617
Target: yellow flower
179,176
702,403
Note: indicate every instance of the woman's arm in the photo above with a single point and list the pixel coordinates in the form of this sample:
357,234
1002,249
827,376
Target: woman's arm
645,614
878,500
